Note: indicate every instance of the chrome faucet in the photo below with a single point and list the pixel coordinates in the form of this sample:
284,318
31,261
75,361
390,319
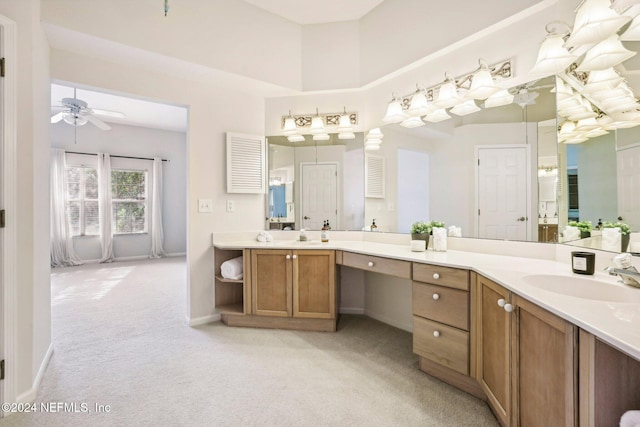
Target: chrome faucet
628,273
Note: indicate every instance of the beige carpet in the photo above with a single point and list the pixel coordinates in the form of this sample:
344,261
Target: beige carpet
120,339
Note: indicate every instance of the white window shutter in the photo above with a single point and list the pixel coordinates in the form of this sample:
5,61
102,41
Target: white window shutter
246,163
374,176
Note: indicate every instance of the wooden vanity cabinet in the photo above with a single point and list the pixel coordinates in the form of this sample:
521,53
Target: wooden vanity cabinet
442,333
293,289
527,360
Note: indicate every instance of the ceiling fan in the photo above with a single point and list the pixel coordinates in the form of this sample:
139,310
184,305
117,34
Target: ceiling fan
76,112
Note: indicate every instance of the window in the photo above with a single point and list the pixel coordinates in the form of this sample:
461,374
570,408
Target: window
82,204
129,201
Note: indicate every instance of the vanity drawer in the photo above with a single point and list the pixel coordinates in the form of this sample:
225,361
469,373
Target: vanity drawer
388,266
443,276
441,344
445,305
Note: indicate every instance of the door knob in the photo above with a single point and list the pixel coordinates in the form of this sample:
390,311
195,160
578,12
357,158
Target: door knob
522,218
501,302
436,297
436,276
295,257
370,263
305,217
436,334
288,257
508,308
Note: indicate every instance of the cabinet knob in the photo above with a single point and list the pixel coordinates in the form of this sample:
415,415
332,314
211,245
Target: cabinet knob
370,263
436,296
295,257
508,308
436,334
288,257
436,276
501,302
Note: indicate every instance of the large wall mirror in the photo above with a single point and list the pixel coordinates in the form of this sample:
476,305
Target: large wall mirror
311,182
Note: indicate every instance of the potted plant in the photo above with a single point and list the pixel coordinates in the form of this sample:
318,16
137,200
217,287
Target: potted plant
625,231
420,230
585,228
437,224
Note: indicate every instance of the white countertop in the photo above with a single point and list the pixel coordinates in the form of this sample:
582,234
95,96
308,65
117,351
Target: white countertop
617,323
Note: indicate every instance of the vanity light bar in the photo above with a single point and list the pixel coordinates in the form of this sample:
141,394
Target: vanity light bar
500,71
329,119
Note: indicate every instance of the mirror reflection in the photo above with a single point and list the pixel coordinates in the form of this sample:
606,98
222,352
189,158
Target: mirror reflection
313,182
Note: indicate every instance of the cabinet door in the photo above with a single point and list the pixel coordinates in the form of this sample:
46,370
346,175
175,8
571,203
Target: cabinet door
494,341
545,366
314,288
271,273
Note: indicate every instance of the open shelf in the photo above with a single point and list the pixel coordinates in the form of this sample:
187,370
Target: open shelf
231,309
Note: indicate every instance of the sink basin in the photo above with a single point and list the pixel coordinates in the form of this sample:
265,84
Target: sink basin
296,242
579,287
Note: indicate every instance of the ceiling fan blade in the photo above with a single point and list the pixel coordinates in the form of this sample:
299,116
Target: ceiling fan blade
99,123
57,117
59,108
108,113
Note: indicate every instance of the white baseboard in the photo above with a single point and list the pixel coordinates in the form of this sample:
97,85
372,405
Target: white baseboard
30,395
351,310
177,254
203,320
389,321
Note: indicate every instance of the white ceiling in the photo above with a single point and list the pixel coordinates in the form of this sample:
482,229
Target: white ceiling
137,112
306,12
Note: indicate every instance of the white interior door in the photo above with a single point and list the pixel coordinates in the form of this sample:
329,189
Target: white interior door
629,185
502,193
319,195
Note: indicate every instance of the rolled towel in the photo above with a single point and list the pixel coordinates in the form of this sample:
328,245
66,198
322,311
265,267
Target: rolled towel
455,231
630,419
232,269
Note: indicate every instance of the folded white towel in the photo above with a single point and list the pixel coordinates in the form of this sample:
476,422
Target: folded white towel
455,231
264,236
630,419
232,269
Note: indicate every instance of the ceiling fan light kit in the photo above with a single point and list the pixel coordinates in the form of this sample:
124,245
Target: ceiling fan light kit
76,112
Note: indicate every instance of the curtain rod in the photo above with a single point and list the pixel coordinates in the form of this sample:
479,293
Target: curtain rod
120,157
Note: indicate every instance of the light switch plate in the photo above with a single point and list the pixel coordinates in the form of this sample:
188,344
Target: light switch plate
205,205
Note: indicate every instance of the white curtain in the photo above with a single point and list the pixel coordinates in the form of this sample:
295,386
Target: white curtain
62,253
157,233
104,206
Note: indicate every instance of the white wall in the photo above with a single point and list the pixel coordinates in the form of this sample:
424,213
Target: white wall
228,35
33,334
138,142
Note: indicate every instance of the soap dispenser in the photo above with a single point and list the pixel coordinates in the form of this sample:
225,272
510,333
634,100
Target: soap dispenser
324,233
303,235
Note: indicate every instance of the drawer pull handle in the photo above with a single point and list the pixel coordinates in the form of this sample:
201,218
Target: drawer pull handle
436,276
508,308
436,296
370,263
501,302
288,257
436,334
295,256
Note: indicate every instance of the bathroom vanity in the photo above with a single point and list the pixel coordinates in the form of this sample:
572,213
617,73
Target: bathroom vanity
513,331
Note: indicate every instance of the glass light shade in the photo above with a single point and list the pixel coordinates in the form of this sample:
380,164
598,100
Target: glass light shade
419,105
74,120
586,125
344,124
437,116
562,90
619,107
289,126
553,57
608,76
321,137
604,120
395,113
448,95
374,134
467,107
567,130
595,21
582,115
605,55
295,138
596,133
482,84
317,125
573,102
346,135
632,33
575,140
412,122
499,99
372,145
